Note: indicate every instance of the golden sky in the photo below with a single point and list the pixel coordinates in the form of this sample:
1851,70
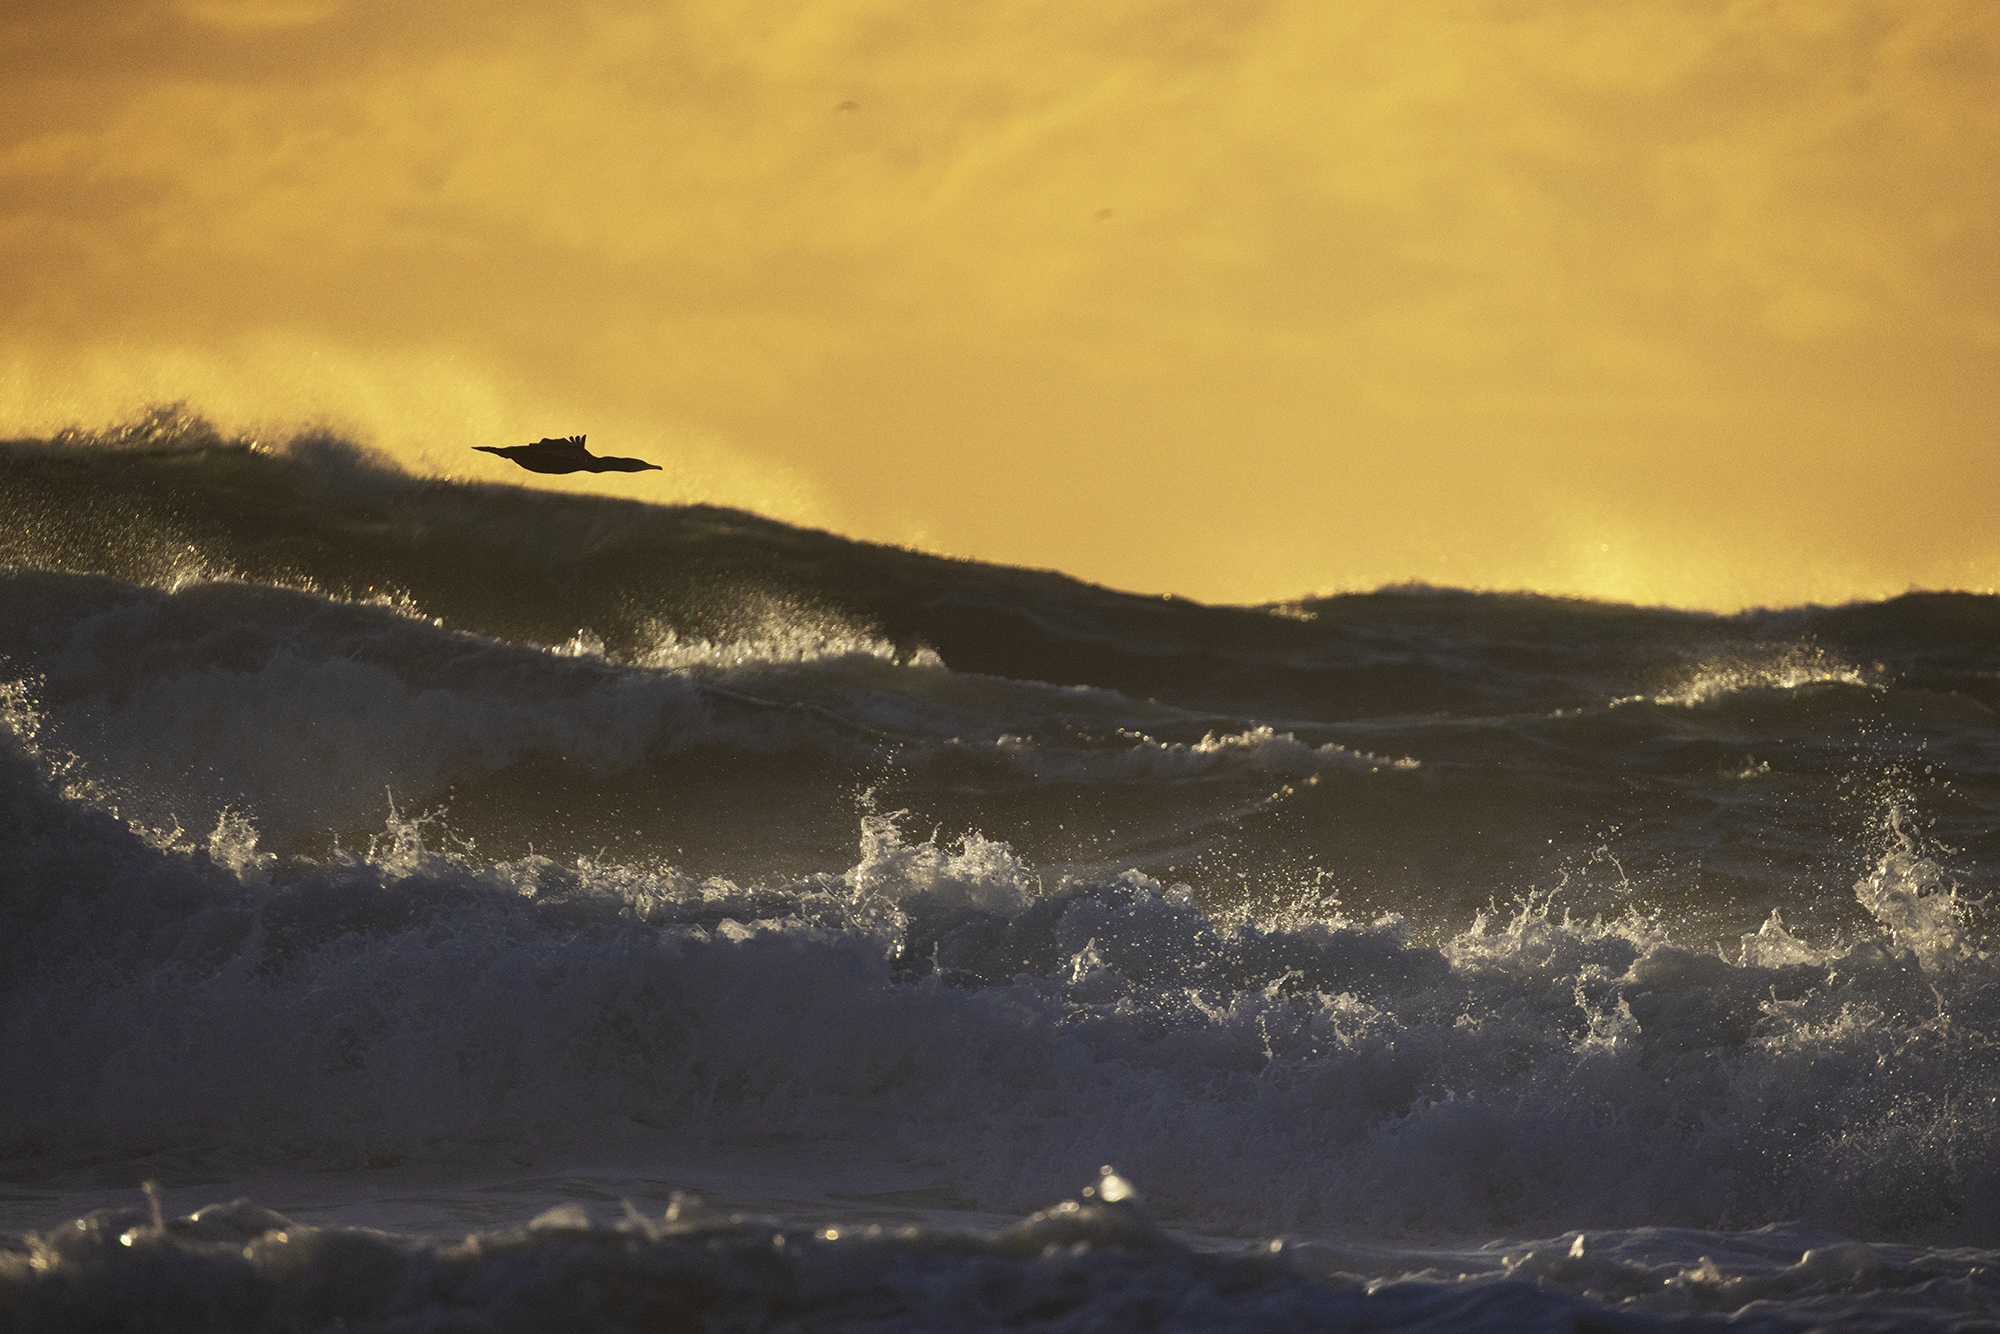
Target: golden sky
1694,303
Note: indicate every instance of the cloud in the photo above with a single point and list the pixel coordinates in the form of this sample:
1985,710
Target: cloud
1237,300
259,15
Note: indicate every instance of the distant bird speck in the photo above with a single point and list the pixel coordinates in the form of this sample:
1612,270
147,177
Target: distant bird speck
849,105
565,455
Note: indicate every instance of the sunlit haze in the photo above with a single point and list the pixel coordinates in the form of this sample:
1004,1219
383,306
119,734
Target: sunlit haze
1694,303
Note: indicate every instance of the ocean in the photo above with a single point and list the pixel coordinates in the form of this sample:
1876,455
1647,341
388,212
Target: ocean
428,905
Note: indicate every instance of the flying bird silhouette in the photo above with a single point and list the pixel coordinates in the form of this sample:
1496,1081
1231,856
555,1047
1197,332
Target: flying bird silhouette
565,455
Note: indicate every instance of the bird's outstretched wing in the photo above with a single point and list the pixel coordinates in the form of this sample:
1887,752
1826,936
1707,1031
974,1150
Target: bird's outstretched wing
568,444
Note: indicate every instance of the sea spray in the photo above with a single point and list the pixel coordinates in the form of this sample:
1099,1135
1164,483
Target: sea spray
425,856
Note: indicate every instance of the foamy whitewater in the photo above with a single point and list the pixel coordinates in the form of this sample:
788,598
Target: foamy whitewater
473,907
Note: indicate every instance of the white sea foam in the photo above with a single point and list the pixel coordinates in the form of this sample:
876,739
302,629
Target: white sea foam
981,874
1915,901
1780,667
298,711
1098,1259
780,638
1776,1027
757,630
301,711
1258,750
419,1002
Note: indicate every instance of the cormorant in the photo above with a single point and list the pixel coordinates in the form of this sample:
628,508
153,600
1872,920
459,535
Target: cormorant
564,455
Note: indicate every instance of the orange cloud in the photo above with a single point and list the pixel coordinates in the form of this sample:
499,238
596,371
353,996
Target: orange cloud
1683,302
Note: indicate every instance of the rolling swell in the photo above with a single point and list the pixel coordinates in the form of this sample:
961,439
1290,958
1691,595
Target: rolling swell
361,821
207,1008
294,634
174,501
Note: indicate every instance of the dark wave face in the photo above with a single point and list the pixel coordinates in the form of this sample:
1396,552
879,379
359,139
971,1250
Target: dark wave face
291,637
351,818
